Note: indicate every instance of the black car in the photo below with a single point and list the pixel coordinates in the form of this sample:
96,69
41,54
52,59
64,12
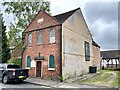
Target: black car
10,72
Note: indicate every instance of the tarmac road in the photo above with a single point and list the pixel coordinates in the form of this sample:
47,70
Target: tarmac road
21,86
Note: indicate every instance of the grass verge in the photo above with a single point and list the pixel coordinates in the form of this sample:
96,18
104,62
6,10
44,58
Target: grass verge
104,78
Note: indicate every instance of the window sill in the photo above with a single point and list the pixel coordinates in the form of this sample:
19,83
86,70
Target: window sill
87,60
51,69
28,67
29,45
52,43
39,44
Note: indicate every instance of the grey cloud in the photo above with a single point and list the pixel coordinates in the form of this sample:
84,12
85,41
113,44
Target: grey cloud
108,37
101,10
102,19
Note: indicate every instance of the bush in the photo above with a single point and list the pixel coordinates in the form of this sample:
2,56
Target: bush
61,78
14,61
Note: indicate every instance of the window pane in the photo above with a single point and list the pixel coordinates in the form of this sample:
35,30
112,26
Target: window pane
52,35
29,38
87,51
28,61
40,37
51,61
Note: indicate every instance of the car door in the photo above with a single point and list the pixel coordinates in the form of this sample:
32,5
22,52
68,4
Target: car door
1,69
1,72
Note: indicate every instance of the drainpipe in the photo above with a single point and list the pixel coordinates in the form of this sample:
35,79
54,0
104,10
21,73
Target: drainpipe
23,37
21,59
60,49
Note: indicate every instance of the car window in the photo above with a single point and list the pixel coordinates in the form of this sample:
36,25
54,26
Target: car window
1,68
13,66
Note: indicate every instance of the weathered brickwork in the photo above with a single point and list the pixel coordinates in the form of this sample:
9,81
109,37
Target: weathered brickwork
45,49
68,49
47,21
96,56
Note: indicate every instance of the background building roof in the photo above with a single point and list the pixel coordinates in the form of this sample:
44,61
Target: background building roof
110,54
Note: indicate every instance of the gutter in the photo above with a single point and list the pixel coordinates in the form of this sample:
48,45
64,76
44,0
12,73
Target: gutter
60,49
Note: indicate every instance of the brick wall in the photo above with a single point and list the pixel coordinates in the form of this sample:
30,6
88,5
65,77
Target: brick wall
46,49
96,56
47,21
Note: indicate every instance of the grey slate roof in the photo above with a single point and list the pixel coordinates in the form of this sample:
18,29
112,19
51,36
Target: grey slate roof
95,44
110,54
64,16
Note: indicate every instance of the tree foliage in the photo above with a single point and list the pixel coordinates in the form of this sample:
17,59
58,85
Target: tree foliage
4,45
23,13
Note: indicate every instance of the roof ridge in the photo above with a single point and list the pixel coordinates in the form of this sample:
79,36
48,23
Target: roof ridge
62,17
66,12
95,44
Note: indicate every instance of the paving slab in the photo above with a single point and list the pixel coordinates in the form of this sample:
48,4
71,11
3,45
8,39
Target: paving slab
56,84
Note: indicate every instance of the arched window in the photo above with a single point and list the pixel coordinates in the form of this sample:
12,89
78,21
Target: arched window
28,64
51,61
52,35
29,39
40,38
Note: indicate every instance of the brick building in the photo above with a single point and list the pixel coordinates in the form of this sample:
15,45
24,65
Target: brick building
59,45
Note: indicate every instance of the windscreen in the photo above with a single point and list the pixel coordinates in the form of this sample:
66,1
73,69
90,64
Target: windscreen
13,66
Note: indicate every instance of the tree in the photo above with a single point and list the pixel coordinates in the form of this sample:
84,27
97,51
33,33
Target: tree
0,37
4,45
23,13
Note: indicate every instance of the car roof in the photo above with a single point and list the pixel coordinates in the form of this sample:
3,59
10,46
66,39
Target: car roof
4,64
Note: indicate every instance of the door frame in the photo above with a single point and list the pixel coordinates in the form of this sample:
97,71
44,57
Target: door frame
41,68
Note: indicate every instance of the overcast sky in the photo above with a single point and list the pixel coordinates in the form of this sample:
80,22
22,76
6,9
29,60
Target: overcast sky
101,17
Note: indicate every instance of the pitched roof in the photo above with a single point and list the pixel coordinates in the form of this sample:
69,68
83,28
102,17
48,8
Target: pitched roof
36,16
110,54
95,44
62,17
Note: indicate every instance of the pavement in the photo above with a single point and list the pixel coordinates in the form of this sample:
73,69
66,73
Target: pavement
24,86
69,83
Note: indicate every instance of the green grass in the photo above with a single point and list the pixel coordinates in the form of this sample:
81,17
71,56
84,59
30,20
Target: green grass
104,77
116,81
119,79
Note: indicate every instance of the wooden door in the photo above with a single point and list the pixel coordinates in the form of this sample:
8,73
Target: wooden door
38,69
